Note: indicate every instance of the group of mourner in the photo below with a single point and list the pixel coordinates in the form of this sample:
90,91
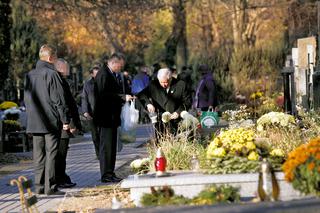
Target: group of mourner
53,115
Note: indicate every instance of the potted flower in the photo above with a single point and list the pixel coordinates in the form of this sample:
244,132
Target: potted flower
302,167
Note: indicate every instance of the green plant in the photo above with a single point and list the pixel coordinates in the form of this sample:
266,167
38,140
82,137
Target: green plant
161,197
178,150
211,195
283,139
217,194
302,168
309,123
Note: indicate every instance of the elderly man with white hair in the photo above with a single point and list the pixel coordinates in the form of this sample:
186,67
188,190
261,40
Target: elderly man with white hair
166,94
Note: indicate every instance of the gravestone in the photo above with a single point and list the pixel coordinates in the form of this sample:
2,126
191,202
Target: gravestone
304,57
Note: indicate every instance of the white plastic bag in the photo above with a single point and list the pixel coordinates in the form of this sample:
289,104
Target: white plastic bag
129,116
129,121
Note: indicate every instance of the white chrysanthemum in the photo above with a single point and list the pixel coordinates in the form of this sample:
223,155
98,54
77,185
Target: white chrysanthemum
189,121
275,118
166,116
138,163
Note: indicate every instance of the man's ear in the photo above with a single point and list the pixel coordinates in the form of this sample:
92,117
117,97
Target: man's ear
51,59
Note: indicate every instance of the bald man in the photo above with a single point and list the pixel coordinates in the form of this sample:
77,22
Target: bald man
46,116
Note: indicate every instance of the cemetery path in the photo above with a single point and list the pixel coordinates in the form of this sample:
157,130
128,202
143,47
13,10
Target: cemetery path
82,167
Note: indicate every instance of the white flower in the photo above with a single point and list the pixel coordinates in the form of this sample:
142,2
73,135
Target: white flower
189,121
138,163
275,118
166,117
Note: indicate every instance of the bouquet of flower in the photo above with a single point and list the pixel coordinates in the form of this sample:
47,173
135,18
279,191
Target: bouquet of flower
278,119
166,117
189,121
302,168
140,166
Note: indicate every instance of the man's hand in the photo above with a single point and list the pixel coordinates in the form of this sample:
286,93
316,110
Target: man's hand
87,116
174,115
73,130
129,97
65,127
150,108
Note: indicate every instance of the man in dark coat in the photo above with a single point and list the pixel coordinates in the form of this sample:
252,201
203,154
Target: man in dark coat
63,180
47,115
166,94
87,107
108,102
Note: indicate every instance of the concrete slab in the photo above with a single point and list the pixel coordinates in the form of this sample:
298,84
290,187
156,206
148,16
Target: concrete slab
189,184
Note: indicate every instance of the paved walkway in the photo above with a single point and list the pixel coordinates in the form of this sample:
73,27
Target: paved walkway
82,166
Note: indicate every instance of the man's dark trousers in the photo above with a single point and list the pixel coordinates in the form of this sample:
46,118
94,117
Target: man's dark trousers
108,151
45,147
61,176
95,136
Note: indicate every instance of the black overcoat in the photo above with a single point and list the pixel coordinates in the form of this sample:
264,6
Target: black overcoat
177,99
87,97
108,99
44,99
73,112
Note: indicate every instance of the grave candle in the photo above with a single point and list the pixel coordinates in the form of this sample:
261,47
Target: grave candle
160,162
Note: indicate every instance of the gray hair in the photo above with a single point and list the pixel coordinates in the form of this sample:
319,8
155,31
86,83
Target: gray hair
164,74
46,51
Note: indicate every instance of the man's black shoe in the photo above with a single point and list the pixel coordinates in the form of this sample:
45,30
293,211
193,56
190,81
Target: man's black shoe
117,179
55,192
111,179
66,185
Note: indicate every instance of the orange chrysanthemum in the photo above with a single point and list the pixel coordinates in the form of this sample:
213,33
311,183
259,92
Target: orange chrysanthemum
300,155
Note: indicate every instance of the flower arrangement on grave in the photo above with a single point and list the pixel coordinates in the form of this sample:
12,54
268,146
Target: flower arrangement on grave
140,166
239,142
237,151
275,119
302,167
10,120
238,118
280,130
237,115
7,105
213,194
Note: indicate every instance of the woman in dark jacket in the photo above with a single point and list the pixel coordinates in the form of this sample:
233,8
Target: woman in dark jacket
206,95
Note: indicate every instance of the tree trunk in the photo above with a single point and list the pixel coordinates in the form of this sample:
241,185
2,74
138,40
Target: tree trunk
176,45
239,18
5,25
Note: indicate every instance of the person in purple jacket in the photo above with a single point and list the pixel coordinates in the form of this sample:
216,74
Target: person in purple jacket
206,95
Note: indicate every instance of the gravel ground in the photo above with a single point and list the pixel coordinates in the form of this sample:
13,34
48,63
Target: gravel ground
99,197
